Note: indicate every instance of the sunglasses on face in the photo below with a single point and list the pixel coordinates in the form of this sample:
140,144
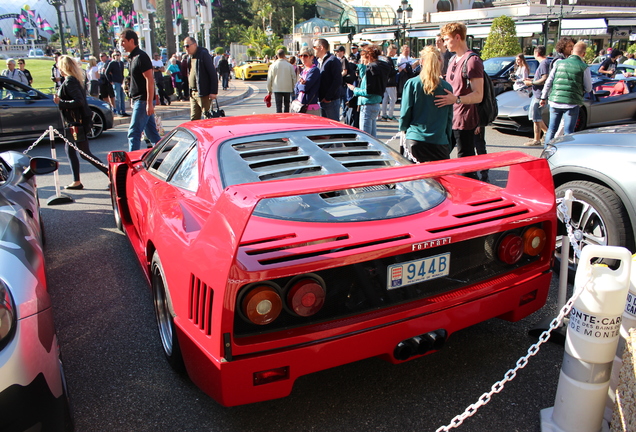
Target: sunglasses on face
186,46
304,55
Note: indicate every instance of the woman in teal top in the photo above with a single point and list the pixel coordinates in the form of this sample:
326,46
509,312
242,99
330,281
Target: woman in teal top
428,128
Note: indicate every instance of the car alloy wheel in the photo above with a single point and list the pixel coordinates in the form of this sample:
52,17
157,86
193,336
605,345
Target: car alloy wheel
98,125
165,320
598,218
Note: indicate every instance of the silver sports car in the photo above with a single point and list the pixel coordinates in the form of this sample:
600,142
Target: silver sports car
598,166
33,393
604,106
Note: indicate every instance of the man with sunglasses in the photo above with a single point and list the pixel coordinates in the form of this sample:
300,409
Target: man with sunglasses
202,79
468,90
115,76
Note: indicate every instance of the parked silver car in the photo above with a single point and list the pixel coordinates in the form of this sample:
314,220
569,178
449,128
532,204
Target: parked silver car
600,108
598,166
33,392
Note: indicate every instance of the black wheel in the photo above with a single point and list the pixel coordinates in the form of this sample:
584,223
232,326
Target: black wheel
598,218
165,320
98,125
116,213
581,120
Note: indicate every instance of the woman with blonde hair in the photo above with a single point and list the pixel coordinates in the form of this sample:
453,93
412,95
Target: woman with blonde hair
428,129
71,98
92,75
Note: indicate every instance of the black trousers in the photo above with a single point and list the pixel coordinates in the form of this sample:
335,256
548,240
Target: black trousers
71,153
428,152
465,141
282,101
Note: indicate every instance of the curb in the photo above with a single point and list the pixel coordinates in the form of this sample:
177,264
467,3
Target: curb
170,112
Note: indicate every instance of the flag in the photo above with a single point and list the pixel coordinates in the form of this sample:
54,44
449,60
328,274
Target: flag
17,25
46,26
178,14
23,17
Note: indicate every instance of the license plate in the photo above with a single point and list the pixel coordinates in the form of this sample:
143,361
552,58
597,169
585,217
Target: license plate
417,271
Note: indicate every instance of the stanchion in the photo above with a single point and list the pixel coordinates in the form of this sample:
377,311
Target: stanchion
58,198
591,342
558,335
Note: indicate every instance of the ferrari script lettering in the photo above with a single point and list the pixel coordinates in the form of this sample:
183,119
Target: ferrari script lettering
430,243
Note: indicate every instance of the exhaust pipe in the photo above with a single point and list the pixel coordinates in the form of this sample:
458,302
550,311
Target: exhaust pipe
420,345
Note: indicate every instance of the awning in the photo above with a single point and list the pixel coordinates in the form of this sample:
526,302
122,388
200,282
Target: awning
376,36
340,39
478,32
528,29
626,22
582,27
423,33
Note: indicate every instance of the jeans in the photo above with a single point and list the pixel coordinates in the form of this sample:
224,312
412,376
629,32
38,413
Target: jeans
71,153
141,122
282,101
120,99
569,116
331,110
225,78
369,118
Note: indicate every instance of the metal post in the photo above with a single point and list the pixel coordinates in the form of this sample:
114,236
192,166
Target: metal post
58,198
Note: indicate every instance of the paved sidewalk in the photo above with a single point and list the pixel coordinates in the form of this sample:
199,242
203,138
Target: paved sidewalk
238,90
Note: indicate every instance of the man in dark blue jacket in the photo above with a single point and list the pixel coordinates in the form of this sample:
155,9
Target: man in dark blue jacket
202,79
330,80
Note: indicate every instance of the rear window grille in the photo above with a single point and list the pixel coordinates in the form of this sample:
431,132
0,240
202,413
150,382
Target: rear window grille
200,305
291,172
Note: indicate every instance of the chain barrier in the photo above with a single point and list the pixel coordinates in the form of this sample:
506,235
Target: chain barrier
404,149
521,363
72,144
562,209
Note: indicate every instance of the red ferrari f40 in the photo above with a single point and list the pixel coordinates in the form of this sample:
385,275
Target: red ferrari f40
281,245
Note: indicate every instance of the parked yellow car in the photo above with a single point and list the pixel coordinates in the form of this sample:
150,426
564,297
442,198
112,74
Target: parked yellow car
251,69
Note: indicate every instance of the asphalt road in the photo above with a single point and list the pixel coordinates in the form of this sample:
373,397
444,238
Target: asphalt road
119,380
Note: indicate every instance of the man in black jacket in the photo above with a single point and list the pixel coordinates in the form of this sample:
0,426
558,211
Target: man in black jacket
330,80
202,79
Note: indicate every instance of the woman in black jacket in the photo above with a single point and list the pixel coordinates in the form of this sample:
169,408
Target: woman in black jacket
71,97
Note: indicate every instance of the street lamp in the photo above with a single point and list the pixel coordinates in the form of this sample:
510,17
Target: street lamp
60,23
404,12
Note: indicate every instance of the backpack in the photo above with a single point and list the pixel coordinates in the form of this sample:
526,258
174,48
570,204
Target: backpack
487,108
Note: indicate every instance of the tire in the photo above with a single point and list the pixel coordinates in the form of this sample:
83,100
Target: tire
165,320
98,125
598,217
116,212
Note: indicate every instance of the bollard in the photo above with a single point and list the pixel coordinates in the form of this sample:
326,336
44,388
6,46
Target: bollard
592,338
59,197
628,322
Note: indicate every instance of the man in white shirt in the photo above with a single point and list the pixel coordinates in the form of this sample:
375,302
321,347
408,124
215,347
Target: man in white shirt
281,79
404,58
158,70
13,73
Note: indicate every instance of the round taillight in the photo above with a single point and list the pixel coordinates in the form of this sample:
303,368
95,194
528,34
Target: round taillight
510,249
262,305
306,297
534,240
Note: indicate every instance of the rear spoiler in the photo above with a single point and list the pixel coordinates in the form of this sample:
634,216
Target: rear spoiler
237,203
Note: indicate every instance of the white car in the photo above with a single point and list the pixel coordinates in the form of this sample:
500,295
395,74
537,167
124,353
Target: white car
36,53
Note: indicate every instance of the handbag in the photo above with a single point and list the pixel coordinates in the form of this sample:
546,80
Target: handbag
214,113
297,107
74,132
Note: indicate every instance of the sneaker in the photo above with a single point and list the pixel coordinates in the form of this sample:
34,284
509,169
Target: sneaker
124,115
532,143
391,118
387,118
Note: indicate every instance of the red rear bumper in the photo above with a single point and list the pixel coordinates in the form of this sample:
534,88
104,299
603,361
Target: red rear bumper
231,383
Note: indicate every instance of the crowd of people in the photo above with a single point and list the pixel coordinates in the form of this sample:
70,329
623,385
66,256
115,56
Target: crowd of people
439,91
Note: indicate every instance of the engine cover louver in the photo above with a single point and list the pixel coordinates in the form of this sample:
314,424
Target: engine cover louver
200,304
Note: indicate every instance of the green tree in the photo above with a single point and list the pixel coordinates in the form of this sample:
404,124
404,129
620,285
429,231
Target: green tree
219,50
502,39
632,48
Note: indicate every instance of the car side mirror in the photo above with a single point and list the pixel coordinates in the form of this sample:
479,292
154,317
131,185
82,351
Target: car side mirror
117,157
40,165
32,94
